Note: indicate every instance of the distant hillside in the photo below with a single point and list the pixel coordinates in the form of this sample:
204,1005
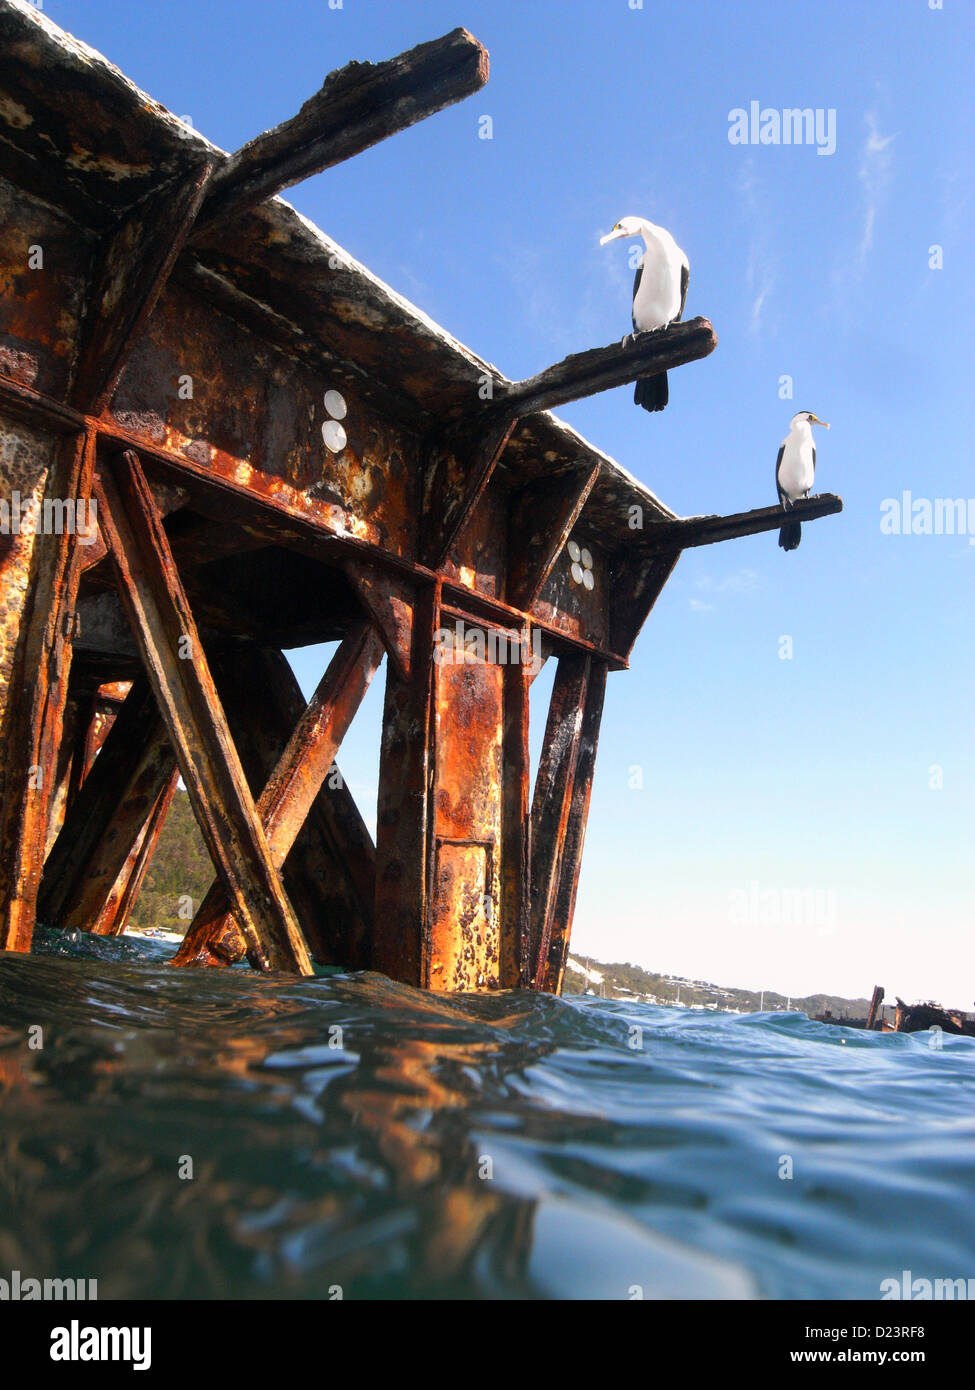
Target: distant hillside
180,871
621,980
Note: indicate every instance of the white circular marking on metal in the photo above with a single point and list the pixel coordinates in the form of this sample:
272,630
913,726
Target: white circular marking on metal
334,436
586,558
574,551
577,573
335,404
588,579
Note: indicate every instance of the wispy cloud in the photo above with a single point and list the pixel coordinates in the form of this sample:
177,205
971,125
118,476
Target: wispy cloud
741,581
876,169
761,268
699,606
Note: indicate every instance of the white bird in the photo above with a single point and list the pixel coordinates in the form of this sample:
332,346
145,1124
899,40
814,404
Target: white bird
795,470
659,294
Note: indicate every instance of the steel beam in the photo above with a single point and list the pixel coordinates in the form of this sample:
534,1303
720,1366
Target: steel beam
357,106
294,785
552,965
552,802
173,655
113,918
403,809
36,693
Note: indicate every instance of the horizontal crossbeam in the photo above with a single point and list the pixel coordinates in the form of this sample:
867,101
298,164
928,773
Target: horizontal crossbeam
664,536
357,106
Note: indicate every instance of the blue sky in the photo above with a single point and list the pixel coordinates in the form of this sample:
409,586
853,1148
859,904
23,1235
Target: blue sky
761,777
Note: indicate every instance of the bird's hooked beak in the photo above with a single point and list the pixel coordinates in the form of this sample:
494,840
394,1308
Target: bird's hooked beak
614,235
815,420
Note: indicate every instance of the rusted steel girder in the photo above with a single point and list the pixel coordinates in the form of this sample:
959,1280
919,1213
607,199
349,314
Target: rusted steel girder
173,655
516,830
402,814
559,926
357,106
330,872
552,802
293,787
106,819
37,664
114,916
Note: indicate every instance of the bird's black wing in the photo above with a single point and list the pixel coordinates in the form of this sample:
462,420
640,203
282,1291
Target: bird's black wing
636,286
685,275
778,460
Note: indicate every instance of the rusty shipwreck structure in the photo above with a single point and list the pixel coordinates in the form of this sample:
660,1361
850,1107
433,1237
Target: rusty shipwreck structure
222,438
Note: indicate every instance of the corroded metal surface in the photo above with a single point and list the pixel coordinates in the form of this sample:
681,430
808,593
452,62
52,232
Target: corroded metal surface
290,453
293,787
172,653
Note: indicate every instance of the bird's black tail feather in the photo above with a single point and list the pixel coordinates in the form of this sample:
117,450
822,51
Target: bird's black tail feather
652,392
789,535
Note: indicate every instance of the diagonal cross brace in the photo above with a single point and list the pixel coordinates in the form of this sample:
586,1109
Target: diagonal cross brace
172,652
213,937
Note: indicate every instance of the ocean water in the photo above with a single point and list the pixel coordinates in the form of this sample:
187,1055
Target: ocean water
347,1133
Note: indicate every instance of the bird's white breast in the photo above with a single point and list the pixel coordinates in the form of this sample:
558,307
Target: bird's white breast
658,299
798,468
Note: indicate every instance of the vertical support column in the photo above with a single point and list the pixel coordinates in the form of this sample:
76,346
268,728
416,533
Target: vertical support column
403,808
560,928
516,831
74,737
36,693
552,802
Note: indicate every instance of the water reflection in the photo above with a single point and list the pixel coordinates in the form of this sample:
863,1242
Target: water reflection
221,1135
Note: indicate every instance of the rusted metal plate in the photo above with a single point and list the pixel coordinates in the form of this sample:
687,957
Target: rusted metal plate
132,264
465,898
462,465
631,606
176,665
44,263
575,598
479,557
211,392
543,516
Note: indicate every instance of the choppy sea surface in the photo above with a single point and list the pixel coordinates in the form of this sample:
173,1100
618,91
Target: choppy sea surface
349,1133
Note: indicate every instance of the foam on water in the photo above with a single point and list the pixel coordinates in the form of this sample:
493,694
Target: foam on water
349,1132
